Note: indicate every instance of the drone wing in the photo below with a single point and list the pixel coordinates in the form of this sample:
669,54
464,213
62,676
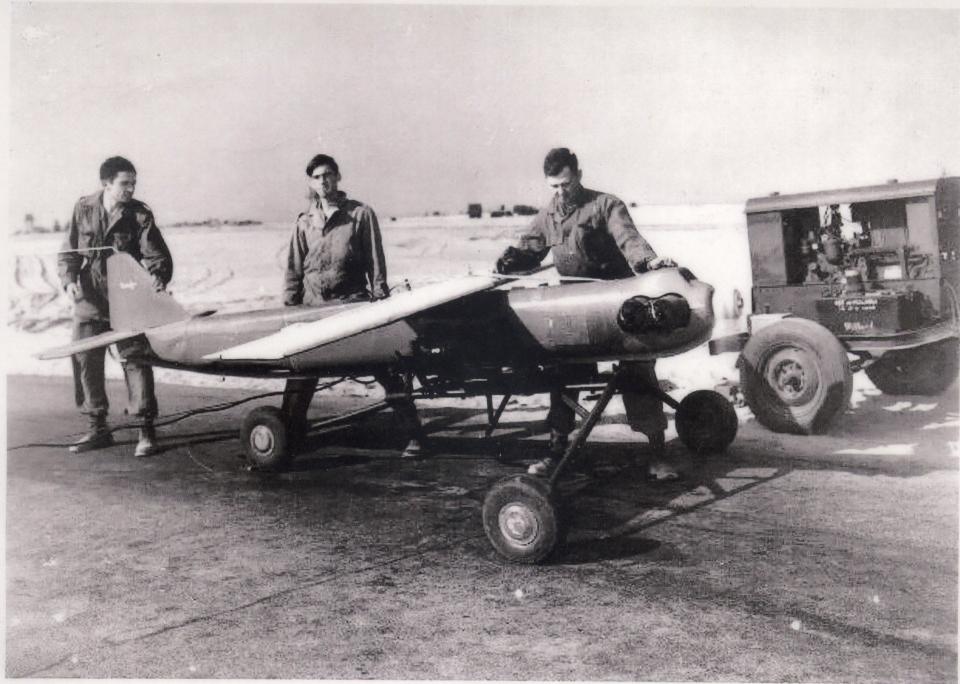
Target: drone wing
301,337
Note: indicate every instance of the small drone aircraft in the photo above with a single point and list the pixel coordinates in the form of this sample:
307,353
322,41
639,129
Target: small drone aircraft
461,337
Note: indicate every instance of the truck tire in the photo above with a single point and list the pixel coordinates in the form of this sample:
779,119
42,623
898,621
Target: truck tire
929,369
795,376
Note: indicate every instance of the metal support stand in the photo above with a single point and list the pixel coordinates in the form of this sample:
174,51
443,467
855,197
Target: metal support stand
574,406
664,397
587,427
493,417
592,417
349,416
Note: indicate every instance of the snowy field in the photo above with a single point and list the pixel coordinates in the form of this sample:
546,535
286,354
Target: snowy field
241,268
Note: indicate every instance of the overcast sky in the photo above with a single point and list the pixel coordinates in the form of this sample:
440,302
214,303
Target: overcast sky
431,107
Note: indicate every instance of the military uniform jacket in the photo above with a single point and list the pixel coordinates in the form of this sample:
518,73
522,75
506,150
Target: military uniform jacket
129,228
335,257
595,238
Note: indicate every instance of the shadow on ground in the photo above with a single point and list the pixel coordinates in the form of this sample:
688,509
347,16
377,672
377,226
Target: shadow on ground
606,495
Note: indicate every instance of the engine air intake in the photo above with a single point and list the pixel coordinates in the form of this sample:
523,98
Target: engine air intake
642,314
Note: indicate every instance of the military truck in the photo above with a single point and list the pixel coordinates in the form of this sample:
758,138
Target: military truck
845,280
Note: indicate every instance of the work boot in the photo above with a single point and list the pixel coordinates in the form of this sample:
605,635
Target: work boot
542,468
658,470
99,437
416,448
558,447
147,442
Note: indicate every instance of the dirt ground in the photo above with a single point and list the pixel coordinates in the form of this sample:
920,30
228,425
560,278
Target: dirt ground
830,558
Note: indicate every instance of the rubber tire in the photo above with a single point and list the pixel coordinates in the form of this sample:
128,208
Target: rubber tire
823,364
929,369
706,422
266,425
532,499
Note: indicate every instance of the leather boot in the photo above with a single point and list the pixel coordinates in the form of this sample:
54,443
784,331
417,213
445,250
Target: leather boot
147,442
558,447
417,447
658,470
99,437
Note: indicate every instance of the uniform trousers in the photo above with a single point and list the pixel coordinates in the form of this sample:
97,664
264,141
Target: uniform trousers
88,366
644,411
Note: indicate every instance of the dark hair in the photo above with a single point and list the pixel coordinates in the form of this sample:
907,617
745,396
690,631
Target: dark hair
322,160
114,165
557,160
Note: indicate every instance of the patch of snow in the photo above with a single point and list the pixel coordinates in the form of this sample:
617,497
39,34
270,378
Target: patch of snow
882,450
898,407
248,273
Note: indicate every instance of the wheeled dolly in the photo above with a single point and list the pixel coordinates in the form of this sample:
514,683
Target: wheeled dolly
523,514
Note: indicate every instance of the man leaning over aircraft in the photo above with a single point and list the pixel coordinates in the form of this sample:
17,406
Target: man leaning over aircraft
108,219
591,235
336,254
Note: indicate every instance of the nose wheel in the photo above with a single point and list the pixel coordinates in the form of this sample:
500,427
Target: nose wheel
522,519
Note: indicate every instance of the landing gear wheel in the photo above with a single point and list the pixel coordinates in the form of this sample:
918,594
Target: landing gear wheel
706,422
795,376
923,370
264,437
521,519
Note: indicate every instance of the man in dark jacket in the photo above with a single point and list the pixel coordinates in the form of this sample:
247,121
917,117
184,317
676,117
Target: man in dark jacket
591,235
336,255
107,221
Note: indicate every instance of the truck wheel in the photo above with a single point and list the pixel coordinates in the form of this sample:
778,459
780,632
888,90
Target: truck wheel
923,370
264,437
795,376
521,519
706,422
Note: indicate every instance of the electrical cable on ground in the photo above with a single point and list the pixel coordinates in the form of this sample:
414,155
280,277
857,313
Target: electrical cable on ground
177,417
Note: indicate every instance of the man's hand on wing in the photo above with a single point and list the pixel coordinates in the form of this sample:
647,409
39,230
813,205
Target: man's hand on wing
503,266
515,260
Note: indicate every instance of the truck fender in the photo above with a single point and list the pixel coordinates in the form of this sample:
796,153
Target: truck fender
756,322
737,341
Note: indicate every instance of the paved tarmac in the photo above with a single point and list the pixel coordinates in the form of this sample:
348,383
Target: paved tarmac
829,558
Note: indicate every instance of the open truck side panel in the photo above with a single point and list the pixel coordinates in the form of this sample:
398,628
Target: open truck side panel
876,268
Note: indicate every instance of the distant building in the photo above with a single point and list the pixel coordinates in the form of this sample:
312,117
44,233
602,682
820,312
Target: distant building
474,210
502,211
524,210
